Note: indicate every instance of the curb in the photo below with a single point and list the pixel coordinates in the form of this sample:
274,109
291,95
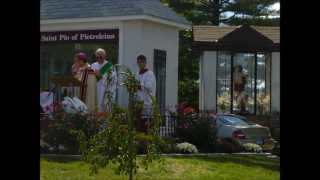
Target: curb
78,157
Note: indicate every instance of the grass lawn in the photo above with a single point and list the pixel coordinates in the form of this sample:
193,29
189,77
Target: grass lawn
219,167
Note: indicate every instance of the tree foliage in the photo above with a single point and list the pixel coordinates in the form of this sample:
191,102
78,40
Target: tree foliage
118,142
213,12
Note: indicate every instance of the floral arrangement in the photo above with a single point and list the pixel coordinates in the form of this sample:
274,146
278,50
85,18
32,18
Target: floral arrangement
263,103
251,147
186,148
224,101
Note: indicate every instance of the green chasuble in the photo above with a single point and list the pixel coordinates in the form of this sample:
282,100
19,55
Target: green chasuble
105,69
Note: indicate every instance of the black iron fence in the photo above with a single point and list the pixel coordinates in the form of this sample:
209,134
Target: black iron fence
170,120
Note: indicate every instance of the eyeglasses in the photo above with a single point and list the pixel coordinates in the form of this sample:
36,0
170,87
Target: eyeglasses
98,57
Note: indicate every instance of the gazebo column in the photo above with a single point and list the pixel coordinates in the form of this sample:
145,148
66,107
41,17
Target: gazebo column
207,95
275,82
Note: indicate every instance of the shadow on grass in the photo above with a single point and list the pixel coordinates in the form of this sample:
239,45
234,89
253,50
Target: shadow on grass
246,160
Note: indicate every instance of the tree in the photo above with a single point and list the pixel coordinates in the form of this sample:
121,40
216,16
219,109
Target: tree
118,142
213,12
188,74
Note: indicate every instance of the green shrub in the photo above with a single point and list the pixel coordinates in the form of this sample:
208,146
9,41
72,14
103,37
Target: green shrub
275,132
199,131
228,145
143,140
276,149
168,145
62,133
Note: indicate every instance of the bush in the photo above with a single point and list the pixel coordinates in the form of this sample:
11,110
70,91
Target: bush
275,132
186,148
276,149
169,145
142,140
44,147
62,133
198,130
228,145
251,147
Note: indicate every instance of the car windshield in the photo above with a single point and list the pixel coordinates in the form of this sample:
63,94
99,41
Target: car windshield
230,120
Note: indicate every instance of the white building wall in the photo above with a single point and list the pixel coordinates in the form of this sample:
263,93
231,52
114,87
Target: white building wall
275,82
163,37
208,63
131,36
142,37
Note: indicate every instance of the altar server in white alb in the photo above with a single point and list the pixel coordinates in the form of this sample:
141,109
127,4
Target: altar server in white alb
147,89
107,81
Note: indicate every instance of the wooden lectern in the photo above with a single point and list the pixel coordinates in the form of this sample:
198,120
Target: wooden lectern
64,81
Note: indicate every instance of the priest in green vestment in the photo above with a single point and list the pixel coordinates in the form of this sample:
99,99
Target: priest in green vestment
107,81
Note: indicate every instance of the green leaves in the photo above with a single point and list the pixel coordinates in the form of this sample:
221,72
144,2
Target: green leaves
118,142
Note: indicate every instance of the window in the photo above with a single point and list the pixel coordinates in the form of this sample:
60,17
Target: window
263,83
230,120
57,58
243,82
224,82
160,57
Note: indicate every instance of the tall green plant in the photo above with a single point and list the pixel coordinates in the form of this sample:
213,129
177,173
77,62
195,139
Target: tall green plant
117,143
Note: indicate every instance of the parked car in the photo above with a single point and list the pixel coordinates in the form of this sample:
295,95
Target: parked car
238,128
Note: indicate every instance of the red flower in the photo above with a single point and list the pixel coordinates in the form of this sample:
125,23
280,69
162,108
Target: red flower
188,110
102,115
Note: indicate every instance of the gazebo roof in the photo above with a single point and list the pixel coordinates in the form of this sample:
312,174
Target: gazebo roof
69,9
214,33
236,38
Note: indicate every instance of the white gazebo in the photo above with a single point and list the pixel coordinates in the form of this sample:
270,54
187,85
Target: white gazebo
134,26
255,51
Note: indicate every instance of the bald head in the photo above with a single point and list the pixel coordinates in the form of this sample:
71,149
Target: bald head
100,51
100,55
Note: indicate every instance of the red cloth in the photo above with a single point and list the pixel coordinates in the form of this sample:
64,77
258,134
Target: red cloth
143,71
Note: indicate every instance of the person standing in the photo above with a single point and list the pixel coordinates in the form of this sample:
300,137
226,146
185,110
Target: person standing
107,81
146,90
239,83
87,77
75,66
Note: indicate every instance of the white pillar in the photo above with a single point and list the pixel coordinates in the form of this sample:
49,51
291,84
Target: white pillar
208,63
131,35
275,82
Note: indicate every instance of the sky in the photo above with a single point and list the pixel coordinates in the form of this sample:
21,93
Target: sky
275,6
